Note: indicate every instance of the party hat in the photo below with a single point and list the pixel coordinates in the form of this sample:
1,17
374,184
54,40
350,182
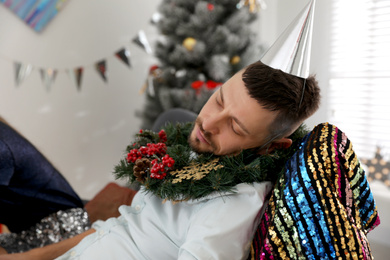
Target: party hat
291,51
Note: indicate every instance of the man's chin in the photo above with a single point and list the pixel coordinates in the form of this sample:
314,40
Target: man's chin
198,147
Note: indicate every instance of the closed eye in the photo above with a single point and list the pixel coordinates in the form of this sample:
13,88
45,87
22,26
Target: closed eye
234,130
218,102
233,121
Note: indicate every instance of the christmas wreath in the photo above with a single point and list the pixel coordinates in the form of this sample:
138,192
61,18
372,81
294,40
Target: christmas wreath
166,165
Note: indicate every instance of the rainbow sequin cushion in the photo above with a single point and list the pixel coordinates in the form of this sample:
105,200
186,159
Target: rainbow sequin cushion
322,207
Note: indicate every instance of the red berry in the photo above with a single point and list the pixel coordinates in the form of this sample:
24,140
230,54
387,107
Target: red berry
163,136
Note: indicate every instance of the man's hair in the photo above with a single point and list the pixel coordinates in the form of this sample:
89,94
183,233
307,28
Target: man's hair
292,97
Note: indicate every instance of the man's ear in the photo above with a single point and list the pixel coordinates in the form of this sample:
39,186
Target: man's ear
282,143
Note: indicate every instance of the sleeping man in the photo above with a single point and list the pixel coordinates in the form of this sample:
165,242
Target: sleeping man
207,192
256,110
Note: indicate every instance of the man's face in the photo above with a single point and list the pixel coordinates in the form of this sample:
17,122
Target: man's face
231,121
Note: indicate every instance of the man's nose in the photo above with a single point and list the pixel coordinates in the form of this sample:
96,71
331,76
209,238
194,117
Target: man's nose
213,123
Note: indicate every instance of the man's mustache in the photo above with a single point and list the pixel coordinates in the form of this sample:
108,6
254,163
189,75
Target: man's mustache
206,134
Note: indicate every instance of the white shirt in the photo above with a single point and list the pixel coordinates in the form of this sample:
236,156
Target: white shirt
215,227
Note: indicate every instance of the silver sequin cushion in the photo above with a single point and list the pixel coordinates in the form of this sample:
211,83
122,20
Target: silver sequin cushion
51,229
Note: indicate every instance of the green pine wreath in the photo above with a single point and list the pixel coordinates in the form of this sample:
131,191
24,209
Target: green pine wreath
165,164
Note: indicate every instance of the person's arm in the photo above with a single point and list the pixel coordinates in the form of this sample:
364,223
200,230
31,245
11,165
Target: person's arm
49,252
105,204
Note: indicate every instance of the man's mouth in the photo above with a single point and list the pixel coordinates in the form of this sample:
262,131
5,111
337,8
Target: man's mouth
201,137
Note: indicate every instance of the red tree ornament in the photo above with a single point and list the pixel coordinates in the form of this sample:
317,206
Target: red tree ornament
197,84
210,84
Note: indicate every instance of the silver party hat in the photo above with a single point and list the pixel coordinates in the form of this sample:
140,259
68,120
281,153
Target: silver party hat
291,51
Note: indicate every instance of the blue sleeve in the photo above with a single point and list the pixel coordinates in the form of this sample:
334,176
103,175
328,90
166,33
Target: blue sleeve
6,164
31,188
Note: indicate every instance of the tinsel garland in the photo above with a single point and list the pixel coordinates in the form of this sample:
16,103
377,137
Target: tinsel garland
181,174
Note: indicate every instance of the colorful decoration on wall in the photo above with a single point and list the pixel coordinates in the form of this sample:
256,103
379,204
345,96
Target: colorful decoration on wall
378,168
36,13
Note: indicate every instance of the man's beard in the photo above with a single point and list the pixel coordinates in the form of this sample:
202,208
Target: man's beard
195,143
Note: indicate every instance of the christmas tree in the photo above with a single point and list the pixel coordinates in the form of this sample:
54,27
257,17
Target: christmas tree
202,44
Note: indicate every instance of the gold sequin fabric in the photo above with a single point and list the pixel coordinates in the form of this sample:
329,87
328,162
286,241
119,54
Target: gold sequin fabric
321,207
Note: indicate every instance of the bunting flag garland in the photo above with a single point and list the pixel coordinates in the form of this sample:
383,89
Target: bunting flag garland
143,42
37,13
22,71
48,75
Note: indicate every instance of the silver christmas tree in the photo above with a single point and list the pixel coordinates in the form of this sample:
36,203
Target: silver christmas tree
202,44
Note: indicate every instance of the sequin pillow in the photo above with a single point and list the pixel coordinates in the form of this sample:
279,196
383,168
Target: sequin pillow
322,207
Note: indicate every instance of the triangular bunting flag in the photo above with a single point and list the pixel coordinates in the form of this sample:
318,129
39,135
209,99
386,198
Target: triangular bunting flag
124,55
76,75
102,69
48,76
21,72
142,41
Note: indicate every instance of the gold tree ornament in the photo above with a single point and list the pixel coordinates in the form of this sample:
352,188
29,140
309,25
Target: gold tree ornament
189,43
235,60
195,171
253,5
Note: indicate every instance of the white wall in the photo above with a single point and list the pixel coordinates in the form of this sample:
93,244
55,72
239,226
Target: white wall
84,133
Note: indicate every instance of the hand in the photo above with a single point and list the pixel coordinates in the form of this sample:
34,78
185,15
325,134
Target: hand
106,203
